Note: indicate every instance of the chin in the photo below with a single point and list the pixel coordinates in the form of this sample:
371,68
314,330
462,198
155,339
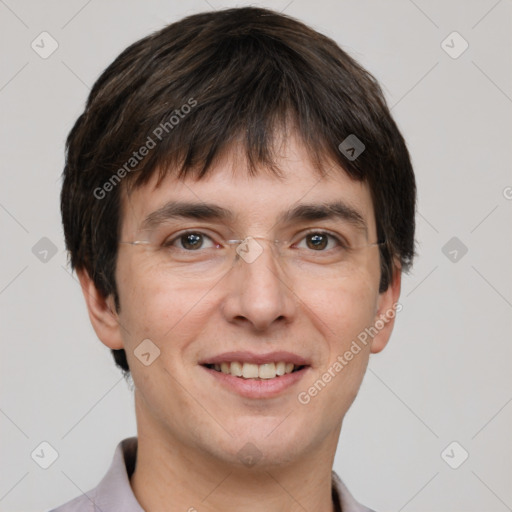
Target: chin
263,441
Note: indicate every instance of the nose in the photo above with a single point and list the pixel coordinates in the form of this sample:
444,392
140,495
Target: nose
259,293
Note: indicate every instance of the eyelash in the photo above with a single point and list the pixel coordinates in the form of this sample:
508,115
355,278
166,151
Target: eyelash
339,240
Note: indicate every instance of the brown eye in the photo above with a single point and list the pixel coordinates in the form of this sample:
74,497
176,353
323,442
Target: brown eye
320,241
317,241
191,240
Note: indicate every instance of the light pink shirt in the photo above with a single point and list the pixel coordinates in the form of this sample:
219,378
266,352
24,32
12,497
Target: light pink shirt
114,493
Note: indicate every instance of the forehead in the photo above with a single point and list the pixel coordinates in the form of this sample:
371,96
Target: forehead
244,199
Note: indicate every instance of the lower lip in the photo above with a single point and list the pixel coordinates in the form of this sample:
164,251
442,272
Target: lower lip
257,388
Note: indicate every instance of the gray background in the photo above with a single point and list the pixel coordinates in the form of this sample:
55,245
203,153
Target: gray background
444,377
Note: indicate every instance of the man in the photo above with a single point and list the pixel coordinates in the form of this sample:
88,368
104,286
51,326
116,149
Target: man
239,206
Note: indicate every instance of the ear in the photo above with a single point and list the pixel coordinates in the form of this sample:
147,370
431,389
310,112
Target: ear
102,313
387,309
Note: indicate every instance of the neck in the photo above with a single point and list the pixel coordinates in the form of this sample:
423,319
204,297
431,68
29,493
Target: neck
176,478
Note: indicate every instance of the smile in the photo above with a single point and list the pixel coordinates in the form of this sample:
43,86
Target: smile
255,371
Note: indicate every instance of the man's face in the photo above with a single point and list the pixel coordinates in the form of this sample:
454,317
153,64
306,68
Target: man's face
248,313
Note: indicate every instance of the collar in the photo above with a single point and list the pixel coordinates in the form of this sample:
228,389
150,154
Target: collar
114,493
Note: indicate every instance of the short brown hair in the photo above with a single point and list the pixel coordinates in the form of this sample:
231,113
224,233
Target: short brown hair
188,91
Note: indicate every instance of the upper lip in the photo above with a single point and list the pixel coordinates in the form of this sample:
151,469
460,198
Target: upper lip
251,357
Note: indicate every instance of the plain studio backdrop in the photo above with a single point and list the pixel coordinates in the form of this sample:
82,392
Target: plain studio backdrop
430,429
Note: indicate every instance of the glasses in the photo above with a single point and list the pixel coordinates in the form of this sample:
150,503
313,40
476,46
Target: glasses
200,255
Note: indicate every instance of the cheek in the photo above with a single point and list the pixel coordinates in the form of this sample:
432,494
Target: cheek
340,312
340,315
342,309
153,307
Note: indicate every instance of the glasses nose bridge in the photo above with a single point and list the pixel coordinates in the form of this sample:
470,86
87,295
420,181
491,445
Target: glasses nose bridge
251,247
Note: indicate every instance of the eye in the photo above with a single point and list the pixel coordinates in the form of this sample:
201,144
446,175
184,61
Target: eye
190,241
320,240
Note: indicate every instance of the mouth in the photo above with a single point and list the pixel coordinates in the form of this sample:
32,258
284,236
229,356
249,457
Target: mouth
265,371
256,376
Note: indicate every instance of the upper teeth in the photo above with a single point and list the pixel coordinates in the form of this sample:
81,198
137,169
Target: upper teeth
254,371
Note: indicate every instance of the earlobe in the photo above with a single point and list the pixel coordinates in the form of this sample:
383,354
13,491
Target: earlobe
102,313
387,309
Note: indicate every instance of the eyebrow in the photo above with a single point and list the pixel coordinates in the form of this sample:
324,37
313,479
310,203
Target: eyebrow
186,210
213,212
325,211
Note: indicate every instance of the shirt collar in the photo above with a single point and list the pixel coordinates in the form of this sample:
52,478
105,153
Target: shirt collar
114,493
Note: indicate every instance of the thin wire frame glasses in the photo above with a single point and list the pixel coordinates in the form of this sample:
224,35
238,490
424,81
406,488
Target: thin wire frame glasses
200,261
